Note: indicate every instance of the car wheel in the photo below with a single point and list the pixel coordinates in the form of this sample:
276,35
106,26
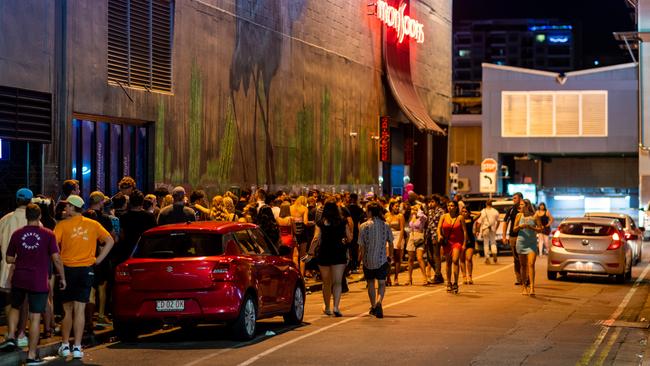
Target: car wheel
620,278
294,316
552,275
244,327
126,332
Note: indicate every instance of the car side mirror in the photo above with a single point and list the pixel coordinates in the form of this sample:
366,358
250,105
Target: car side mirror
285,251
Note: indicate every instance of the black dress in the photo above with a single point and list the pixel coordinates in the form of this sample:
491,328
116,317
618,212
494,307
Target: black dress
471,240
332,250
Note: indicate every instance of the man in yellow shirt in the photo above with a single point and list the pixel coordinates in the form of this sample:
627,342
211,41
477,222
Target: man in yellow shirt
77,236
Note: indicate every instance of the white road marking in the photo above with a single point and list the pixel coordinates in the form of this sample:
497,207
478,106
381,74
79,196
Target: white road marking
589,353
292,341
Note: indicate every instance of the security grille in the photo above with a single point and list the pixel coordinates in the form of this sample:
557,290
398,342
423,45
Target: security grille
140,43
25,115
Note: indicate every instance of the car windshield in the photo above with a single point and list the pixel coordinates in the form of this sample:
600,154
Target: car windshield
586,229
179,245
621,220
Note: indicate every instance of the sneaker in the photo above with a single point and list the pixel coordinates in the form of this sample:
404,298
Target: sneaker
34,361
64,350
379,311
372,311
76,353
23,342
437,280
8,345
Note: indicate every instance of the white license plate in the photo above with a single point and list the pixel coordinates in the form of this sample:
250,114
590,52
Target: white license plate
580,266
170,305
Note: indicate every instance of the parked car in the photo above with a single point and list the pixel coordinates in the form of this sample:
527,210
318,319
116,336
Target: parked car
591,245
633,234
502,206
206,272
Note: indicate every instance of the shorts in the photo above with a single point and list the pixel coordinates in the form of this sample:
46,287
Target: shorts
410,245
396,243
376,274
37,300
102,272
79,281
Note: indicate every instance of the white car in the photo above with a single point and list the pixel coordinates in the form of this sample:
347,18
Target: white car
633,234
502,206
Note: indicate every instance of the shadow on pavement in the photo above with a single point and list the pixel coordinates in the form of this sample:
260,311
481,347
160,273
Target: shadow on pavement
204,337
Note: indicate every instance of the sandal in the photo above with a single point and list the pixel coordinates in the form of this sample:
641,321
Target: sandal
449,287
454,288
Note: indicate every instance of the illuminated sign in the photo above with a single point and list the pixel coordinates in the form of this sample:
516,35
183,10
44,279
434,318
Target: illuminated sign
384,139
558,39
404,25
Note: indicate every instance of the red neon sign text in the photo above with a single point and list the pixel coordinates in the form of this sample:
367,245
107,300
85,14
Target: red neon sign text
404,25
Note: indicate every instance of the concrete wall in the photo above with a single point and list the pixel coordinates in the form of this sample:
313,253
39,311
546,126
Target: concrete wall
27,44
620,83
278,86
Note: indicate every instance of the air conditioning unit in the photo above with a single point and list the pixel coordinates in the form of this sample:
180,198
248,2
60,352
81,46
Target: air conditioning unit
463,185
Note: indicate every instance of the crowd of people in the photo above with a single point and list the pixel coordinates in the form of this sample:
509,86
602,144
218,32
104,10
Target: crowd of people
62,254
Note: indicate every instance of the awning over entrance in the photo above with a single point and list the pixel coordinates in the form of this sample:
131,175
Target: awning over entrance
397,57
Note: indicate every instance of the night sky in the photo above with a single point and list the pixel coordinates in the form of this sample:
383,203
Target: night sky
597,19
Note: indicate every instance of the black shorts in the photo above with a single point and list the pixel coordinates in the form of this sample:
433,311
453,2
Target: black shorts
37,300
79,281
376,274
102,272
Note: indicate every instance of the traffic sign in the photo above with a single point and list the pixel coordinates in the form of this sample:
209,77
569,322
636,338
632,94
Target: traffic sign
489,165
488,182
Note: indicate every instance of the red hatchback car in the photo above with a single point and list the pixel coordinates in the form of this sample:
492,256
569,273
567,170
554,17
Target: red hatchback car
206,272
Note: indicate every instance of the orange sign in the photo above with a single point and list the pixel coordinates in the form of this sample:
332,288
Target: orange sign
489,165
384,139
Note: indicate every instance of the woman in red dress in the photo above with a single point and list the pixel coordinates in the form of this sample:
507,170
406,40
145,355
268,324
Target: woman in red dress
452,232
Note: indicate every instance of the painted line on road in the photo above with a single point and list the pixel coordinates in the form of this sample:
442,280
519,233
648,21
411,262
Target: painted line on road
359,316
589,353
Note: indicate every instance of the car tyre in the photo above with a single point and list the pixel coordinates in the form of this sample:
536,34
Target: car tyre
243,328
551,275
620,278
126,332
295,315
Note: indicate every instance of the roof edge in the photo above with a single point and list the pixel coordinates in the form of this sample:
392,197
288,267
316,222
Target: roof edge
556,74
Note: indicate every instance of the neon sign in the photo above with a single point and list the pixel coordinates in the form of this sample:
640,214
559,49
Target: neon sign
384,139
404,25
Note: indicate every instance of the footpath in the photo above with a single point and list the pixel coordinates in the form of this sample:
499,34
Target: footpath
49,347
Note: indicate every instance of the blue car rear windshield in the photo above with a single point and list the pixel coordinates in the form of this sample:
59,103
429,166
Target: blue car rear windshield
179,245
586,229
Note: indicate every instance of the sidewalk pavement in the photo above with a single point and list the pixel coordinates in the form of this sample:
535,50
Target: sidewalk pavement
50,346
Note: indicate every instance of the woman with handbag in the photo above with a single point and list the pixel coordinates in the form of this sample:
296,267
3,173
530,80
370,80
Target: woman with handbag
415,245
546,219
453,236
330,250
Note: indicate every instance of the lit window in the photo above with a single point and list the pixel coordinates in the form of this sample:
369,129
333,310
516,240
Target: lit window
541,38
464,53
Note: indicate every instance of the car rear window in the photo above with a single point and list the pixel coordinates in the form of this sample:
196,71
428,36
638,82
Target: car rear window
179,245
586,229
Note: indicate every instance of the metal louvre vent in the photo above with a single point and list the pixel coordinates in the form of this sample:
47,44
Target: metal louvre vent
139,43
25,115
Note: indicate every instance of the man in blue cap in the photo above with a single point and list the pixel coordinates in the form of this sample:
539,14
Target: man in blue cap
8,225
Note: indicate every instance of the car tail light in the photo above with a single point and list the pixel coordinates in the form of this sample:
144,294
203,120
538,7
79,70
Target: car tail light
630,236
222,272
556,240
122,273
616,242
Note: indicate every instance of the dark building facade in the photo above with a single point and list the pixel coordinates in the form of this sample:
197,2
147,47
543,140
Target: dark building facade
218,93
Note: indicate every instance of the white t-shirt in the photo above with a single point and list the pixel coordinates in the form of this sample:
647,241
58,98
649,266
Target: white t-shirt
489,219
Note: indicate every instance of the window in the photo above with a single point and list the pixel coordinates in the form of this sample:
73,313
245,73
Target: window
263,241
140,43
179,245
102,153
554,114
247,243
464,53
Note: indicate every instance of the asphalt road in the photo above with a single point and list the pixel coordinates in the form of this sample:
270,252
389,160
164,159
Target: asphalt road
569,322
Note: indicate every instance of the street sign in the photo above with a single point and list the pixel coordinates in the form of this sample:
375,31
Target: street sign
488,182
489,165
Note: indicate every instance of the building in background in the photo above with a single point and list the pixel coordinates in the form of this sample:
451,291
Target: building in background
542,44
570,139
282,94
